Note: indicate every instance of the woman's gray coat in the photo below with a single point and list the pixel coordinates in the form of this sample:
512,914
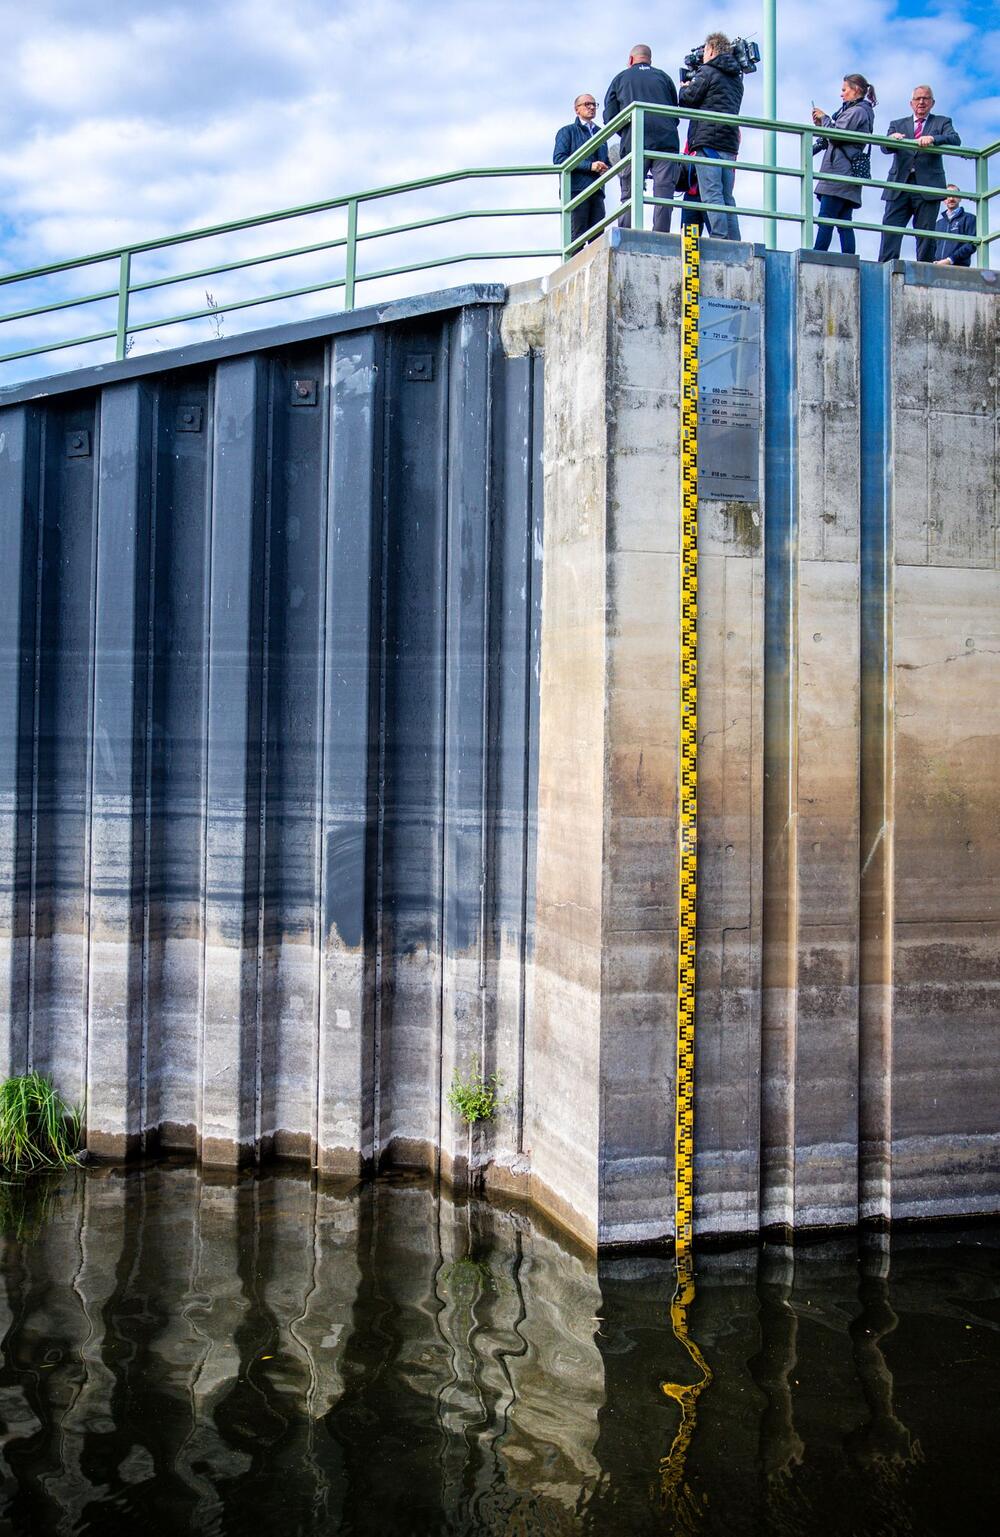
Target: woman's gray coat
839,156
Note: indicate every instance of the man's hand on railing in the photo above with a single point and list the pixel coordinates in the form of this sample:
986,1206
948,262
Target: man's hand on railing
598,167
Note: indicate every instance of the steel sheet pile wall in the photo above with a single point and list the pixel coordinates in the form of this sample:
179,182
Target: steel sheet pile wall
268,659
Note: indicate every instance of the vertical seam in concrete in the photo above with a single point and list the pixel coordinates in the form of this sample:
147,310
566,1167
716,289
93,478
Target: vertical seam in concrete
605,261
876,876
779,917
529,714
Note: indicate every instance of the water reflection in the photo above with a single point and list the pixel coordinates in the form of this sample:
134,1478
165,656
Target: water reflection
254,1354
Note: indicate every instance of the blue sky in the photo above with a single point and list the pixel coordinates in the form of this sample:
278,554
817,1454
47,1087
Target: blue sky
126,119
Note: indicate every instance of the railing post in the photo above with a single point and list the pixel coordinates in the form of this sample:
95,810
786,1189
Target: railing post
638,165
565,183
771,111
982,207
808,228
121,329
351,263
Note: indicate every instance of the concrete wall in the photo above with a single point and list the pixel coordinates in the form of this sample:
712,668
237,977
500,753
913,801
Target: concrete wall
282,687
849,853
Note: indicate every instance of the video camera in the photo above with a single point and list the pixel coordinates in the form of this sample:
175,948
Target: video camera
746,54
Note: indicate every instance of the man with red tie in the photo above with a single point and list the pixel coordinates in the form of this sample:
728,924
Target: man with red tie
922,131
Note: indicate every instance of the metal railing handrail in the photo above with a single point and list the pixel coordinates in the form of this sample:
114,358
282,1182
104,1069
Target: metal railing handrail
745,120
630,168
807,133
234,226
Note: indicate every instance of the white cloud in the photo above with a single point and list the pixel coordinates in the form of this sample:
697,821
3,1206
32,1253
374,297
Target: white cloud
141,118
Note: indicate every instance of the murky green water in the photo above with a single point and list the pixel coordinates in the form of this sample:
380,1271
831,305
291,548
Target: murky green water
185,1354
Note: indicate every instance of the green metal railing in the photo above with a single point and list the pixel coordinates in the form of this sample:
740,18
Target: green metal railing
803,174
354,241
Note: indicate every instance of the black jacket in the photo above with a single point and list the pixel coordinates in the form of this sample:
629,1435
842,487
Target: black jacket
717,86
909,161
643,82
961,222
570,138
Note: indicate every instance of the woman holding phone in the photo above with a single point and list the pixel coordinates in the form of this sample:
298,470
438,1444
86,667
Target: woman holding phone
838,200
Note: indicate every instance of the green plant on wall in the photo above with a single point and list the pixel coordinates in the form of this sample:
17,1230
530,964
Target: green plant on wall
38,1130
474,1097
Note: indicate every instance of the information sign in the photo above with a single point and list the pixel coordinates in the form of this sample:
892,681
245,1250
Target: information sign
729,399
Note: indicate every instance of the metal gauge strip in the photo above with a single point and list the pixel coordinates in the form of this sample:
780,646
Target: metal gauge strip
688,798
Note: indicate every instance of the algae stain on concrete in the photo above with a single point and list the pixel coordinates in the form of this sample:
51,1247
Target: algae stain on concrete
743,522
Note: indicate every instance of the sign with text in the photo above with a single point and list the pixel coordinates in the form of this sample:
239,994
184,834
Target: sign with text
729,399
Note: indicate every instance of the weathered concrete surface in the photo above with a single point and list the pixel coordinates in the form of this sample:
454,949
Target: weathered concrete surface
605,957
848,1037
809,1109
945,729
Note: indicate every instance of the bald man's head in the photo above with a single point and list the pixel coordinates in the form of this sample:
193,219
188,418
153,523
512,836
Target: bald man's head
641,54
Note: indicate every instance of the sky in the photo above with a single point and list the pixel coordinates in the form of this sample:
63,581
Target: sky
129,119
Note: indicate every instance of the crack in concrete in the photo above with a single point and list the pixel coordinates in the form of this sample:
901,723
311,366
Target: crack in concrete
958,657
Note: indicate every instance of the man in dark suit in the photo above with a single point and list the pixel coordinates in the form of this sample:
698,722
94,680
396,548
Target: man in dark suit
641,82
583,128
924,130
955,220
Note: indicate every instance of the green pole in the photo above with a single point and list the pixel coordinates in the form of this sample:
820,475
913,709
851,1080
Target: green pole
121,328
982,209
351,254
565,195
638,166
770,110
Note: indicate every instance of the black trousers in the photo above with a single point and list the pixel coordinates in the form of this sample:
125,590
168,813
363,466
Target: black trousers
899,210
665,174
586,214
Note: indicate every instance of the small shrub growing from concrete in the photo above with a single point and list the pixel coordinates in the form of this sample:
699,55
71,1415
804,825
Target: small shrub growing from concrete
475,1098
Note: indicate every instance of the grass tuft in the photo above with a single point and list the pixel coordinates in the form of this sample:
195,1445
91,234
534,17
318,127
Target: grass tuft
38,1130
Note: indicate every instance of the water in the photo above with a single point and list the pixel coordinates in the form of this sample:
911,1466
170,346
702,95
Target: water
250,1355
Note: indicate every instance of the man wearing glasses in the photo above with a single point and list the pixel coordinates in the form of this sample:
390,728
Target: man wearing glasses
923,130
591,210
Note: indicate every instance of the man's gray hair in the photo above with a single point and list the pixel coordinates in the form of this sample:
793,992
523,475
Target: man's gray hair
642,51
720,42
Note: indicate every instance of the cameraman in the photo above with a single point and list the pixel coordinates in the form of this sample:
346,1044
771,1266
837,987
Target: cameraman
716,86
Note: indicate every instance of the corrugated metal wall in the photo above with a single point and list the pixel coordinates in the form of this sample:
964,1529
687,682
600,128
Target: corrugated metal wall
268,631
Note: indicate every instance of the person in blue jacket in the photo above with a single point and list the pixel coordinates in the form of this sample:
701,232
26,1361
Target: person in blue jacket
955,220
569,138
